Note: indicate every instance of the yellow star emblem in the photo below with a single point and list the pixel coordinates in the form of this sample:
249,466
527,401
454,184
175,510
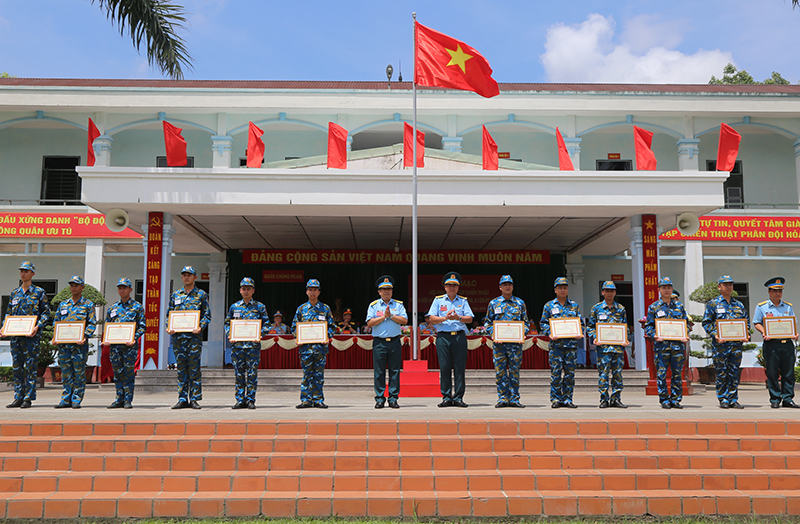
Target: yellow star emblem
648,225
459,58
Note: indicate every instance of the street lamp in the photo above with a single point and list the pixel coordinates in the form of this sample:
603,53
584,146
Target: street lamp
389,71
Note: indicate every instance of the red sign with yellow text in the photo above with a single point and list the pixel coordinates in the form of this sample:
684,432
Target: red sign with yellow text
152,297
650,258
58,225
364,256
742,229
287,275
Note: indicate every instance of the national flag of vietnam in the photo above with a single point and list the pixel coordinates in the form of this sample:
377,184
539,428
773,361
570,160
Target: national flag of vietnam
442,61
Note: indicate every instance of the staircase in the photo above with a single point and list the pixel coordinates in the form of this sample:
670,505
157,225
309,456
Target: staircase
407,468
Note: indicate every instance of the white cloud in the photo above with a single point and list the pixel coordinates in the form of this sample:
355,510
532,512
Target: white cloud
587,52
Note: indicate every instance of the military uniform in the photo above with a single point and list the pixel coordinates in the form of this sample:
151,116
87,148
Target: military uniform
669,353
313,356
25,350
343,328
386,345
275,329
507,356
610,358
563,351
188,346
779,354
122,356
72,357
727,355
246,355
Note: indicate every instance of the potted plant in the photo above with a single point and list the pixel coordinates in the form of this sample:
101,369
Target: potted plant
89,293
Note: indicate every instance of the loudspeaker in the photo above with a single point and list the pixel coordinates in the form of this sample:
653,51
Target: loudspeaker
688,224
117,220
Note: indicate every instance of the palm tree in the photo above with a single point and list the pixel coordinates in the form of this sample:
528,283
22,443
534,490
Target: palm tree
156,23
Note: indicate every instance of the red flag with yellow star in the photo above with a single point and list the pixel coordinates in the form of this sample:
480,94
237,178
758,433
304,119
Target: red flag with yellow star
442,61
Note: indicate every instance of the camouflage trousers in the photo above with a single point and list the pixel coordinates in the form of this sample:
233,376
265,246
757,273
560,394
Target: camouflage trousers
609,368
123,360
562,373
245,357
187,351
671,359
72,360
312,359
24,357
507,360
727,360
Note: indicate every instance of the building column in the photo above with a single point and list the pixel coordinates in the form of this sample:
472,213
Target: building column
688,154
796,146
574,150
221,147
214,356
639,306
692,279
102,150
94,275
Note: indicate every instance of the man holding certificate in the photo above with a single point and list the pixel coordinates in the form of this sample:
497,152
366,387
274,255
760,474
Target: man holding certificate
187,339
451,314
245,338
561,321
27,300
669,345
73,349
776,322
386,316
727,338
123,355
313,326
507,313
610,339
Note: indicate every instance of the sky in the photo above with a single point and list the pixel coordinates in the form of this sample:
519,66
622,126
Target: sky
680,41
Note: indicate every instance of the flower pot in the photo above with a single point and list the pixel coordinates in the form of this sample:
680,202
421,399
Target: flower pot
56,374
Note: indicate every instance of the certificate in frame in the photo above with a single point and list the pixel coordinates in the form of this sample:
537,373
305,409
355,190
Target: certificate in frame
569,327
671,329
612,334
184,321
732,330
245,330
508,331
68,332
119,333
19,325
780,327
312,333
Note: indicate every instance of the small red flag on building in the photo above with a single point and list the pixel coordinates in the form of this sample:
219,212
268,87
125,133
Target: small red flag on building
728,147
443,61
255,146
337,146
93,133
490,158
408,146
564,161
642,141
175,145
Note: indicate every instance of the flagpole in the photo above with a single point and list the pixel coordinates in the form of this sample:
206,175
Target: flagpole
414,274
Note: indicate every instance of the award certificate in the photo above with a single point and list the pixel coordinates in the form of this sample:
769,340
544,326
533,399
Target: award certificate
612,334
569,327
312,333
671,329
734,330
780,327
512,331
19,326
243,330
119,332
184,321
68,332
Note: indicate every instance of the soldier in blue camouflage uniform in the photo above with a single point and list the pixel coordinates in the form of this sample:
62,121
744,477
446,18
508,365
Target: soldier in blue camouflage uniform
563,351
123,356
610,358
72,357
507,356
26,300
668,353
245,355
313,356
188,346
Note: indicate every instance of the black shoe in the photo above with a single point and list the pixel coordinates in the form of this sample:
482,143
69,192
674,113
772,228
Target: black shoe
194,405
460,404
320,405
775,405
618,404
62,405
724,405
76,406
676,405
239,405
515,405
182,404
393,404
127,405
251,405
501,405
666,405
115,405
736,405
569,404
604,404
379,404
25,404
17,403
790,404
446,403
304,405
555,404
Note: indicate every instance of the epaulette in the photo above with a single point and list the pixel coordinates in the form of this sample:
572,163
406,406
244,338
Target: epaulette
788,303
465,298
400,302
441,296
762,303
375,302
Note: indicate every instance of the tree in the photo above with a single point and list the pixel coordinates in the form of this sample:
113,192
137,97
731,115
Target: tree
3,74
156,23
730,76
